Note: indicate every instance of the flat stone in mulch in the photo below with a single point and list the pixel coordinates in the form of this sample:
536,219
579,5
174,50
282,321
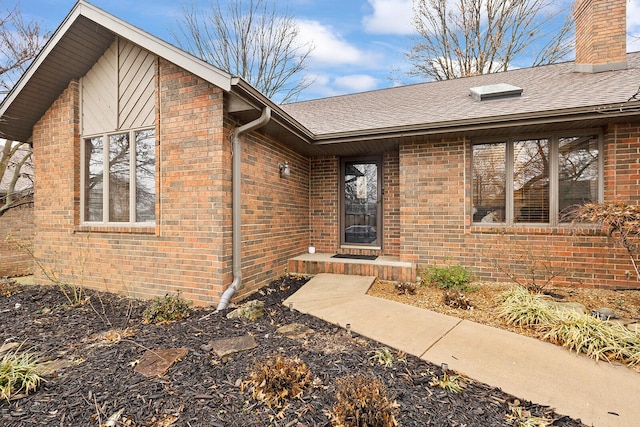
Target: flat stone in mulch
295,331
251,310
227,346
8,346
156,363
53,367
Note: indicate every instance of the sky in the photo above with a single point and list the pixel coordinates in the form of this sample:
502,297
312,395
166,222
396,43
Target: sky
360,45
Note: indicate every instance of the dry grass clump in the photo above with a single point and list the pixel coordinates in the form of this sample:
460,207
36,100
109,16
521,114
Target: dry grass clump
594,337
8,287
457,299
522,418
18,373
278,380
522,308
449,383
578,332
362,402
384,356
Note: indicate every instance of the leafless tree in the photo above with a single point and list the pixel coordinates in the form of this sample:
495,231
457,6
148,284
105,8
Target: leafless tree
251,39
20,42
460,38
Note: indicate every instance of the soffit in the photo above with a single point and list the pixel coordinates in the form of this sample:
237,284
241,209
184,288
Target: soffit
69,59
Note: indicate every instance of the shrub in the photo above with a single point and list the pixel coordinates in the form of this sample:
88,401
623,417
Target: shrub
449,277
18,373
166,309
278,380
522,308
362,401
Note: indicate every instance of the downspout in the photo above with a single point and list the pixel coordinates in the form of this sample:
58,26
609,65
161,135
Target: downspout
236,206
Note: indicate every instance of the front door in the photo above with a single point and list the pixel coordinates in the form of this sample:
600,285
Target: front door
361,217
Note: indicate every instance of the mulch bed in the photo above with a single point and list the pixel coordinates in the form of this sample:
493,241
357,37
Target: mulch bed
202,389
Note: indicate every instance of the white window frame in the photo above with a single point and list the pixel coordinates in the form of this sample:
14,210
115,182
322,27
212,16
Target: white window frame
553,138
105,192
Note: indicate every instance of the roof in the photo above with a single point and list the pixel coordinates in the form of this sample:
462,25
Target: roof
72,50
553,95
548,91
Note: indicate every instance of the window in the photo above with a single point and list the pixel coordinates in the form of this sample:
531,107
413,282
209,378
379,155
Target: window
128,193
535,181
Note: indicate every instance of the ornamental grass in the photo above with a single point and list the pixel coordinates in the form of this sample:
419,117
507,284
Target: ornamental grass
522,308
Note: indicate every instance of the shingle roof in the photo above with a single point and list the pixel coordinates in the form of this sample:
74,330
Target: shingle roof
545,89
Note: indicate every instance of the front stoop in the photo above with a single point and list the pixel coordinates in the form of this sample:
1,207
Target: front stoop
384,267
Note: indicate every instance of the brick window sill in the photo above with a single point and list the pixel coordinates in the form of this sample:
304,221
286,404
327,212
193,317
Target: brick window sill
566,230
124,229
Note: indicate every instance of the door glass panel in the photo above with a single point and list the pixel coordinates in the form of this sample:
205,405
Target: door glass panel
361,203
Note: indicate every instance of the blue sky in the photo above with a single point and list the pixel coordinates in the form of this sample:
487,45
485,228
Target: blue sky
359,44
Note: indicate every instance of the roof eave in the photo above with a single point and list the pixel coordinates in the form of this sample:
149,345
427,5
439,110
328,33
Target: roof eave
257,100
485,123
118,28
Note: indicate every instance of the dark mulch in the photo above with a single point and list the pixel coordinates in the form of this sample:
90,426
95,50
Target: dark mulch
203,390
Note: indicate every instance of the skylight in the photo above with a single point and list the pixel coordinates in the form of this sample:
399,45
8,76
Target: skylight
497,91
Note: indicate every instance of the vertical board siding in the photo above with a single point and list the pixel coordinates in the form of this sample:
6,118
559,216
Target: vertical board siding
99,95
119,90
136,87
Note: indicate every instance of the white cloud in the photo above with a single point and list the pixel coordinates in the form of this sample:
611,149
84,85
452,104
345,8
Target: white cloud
357,82
390,17
329,47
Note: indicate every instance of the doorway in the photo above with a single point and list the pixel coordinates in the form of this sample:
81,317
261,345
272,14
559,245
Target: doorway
361,207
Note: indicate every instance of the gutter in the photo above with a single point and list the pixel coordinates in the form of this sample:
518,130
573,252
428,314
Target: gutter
479,124
236,203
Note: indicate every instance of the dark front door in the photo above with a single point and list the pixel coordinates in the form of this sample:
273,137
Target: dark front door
361,202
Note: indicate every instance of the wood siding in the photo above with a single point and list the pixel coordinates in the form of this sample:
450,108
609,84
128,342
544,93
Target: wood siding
118,91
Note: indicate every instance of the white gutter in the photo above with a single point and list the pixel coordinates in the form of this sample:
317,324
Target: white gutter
236,203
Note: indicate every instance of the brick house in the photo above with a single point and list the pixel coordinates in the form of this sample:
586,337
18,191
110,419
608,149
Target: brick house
224,189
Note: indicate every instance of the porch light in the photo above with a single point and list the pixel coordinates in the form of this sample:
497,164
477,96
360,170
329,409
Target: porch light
284,170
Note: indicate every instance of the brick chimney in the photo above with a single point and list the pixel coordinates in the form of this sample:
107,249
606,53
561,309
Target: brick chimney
601,35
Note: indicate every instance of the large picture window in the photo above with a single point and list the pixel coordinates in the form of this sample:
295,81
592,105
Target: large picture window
535,181
127,193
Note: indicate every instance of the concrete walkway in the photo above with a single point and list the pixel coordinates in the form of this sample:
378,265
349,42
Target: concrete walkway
600,394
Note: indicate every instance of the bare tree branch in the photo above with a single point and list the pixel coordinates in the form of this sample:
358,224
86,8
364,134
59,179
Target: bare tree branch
20,42
251,39
463,38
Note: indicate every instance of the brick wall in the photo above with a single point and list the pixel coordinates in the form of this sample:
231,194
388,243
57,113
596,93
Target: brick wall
189,249
16,224
275,210
601,31
432,199
436,229
324,203
325,206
